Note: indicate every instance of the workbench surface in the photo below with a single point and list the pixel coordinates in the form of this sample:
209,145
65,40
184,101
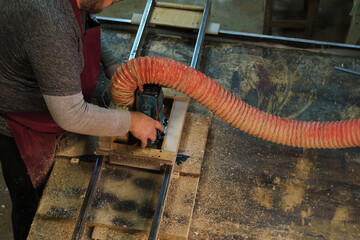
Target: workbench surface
253,189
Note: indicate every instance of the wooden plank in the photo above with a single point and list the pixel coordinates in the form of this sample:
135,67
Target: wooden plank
179,204
72,145
267,17
113,233
187,20
67,187
61,201
104,143
179,6
135,161
176,17
193,142
175,126
135,156
131,150
51,229
174,94
179,207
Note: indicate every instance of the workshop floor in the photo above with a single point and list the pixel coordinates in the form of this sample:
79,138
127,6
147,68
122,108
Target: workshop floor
234,15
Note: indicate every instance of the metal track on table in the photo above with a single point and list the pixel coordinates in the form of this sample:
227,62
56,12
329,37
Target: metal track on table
80,224
79,228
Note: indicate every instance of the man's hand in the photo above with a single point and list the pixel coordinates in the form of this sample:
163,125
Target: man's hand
144,127
110,70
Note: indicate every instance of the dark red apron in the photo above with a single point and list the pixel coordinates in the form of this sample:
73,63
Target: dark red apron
36,133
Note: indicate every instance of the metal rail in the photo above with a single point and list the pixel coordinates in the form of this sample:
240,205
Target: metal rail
241,36
80,224
201,33
347,70
160,204
141,29
168,170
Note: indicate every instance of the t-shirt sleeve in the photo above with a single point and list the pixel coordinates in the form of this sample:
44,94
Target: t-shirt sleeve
55,55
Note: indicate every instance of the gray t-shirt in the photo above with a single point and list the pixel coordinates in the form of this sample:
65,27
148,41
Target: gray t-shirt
40,54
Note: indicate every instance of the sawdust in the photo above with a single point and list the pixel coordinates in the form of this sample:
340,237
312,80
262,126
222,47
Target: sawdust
234,161
179,207
65,191
341,215
51,229
294,187
263,196
305,215
125,197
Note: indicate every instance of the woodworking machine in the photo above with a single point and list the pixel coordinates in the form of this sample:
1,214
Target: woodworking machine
150,101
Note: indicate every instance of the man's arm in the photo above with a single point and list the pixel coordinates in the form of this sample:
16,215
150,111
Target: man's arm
73,114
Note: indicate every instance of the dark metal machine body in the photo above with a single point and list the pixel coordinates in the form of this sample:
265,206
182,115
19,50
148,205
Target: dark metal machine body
150,101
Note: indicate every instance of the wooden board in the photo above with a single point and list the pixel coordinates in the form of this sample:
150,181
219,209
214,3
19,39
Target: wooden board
61,200
178,210
180,200
51,229
72,145
193,143
175,17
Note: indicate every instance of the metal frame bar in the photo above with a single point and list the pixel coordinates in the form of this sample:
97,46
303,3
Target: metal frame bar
201,33
154,230
347,70
80,224
141,29
160,204
242,36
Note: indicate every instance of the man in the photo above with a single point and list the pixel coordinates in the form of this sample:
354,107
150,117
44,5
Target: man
49,65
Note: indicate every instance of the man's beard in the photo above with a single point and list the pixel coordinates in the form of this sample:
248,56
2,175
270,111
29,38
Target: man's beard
91,6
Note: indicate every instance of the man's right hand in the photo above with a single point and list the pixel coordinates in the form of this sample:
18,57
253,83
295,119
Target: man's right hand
144,127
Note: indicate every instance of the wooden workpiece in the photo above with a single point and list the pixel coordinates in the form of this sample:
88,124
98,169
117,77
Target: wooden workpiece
62,199
180,201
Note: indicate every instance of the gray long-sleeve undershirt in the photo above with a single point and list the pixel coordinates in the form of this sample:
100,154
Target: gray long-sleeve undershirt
73,114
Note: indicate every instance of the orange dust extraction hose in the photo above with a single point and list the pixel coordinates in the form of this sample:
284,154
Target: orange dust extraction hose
155,70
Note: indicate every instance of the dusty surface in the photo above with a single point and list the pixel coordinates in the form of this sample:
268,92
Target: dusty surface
125,197
179,208
251,189
62,199
193,143
254,189
332,25
258,190
179,205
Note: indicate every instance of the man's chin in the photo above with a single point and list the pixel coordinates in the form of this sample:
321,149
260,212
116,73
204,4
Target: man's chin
92,7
